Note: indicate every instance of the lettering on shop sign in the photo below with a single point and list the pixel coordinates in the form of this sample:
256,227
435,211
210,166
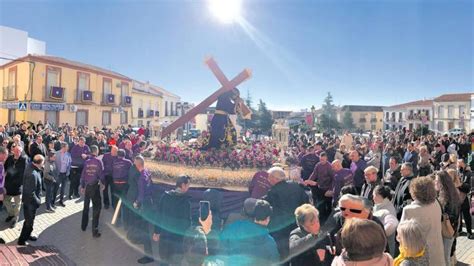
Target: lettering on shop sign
47,106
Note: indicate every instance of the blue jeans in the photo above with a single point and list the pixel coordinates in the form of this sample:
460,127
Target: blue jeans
61,181
49,193
448,243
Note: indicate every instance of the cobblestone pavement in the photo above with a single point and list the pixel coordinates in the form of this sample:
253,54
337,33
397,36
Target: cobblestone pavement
62,230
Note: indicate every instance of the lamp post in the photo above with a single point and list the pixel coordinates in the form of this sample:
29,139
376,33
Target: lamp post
313,111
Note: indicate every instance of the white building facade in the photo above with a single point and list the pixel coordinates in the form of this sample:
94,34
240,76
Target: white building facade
453,111
16,43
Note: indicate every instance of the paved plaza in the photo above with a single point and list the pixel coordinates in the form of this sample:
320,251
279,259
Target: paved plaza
62,230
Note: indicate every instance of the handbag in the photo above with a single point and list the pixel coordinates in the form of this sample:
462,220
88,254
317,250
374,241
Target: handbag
447,229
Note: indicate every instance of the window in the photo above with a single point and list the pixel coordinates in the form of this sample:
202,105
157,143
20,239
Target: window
53,79
171,109
106,89
450,125
10,91
82,117
440,126
123,91
52,117
461,111
82,84
166,108
11,116
372,127
140,123
106,118
124,117
450,111
441,111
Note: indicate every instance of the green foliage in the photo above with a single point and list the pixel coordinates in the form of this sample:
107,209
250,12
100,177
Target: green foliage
328,118
347,120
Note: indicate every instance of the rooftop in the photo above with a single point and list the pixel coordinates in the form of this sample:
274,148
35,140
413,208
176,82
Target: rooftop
414,103
454,97
362,108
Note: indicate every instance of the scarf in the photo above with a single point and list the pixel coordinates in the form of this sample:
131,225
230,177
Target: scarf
403,256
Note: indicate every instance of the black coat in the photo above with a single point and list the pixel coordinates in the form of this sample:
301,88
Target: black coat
285,197
402,195
32,186
36,148
174,218
303,248
14,170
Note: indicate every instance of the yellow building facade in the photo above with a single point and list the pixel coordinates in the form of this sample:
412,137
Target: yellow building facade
365,117
60,91
147,103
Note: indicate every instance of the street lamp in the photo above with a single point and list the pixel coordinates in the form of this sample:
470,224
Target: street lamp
313,111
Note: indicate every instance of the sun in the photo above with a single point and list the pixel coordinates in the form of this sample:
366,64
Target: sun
227,11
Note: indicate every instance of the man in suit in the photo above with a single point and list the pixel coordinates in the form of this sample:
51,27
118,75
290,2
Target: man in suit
63,170
402,195
31,197
411,156
38,147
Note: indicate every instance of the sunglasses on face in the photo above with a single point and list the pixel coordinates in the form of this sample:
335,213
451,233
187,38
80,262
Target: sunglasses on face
351,210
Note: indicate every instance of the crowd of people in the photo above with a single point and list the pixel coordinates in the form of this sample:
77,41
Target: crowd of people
392,198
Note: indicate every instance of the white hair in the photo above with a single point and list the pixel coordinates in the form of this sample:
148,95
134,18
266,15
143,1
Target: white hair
277,173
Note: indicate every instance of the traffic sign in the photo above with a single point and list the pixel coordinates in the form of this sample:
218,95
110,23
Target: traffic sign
22,106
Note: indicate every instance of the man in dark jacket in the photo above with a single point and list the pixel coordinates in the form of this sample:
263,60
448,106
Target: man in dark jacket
108,161
92,180
38,147
411,156
3,158
174,218
308,162
402,195
31,197
120,168
14,167
392,175
284,196
79,154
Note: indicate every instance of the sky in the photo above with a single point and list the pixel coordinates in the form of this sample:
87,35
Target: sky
363,52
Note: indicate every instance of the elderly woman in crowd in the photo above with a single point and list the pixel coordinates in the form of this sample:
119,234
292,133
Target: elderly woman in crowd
447,183
427,212
385,211
304,249
364,244
424,161
413,251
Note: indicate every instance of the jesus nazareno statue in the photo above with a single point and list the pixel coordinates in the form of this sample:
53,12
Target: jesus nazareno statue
223,133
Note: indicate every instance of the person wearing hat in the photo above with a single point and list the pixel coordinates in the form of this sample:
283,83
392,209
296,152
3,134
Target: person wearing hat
247,242
174,218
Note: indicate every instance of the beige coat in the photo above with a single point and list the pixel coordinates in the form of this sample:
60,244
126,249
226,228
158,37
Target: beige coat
429,217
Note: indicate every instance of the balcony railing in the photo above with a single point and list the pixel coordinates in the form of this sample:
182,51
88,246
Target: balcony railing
108,99
150,113
126,101
417,117
9,93
54,94
84,96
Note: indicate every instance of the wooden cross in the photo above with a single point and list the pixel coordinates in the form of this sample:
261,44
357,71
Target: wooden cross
226,86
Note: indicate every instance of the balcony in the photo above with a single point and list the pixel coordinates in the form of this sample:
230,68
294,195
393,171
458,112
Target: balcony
418,117
362,120
84,96
108,99
9,93
140,113
54,94
150,113
126,101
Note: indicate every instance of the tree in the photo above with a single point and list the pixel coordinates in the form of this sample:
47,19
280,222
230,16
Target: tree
347,120
264,118
328,119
